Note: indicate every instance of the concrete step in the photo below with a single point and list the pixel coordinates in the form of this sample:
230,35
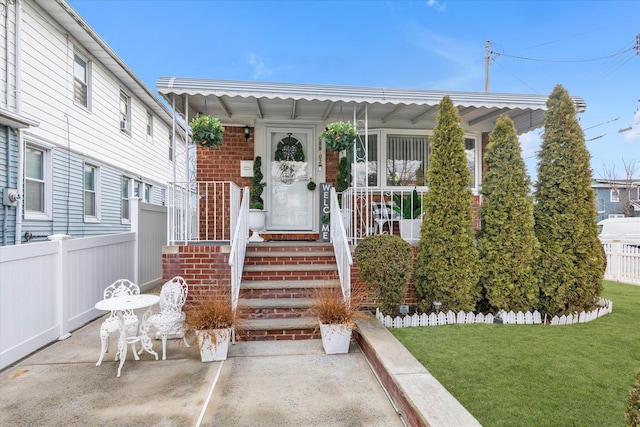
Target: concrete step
290,254
274,303
290,267
279,289
289,244
289,284
276,308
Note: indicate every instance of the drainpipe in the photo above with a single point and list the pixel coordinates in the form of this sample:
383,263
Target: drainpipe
20,172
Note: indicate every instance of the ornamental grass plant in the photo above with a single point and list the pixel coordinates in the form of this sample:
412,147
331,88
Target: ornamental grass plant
210,313
331,308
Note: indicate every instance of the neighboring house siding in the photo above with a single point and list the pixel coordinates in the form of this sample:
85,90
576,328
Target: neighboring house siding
7,180
606,207
74,134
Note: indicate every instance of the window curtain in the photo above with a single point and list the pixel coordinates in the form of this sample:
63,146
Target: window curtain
407,160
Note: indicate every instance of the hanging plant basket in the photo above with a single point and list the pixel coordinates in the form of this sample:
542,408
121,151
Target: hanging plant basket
206,131
339,136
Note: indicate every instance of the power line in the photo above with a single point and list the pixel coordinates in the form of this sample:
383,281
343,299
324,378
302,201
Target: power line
560,60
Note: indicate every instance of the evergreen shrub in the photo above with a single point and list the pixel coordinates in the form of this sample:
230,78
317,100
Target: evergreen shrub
385,260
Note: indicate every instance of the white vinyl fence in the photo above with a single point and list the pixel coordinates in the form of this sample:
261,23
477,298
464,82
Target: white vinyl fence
519,318
623,261
48,289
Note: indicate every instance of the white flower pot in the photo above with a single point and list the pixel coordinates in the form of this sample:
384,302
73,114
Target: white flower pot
335,338
410,230
210,351
257,219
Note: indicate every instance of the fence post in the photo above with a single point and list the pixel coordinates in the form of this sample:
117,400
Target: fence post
616,259
61,279
135,228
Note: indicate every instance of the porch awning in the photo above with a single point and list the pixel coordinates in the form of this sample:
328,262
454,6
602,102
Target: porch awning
242,102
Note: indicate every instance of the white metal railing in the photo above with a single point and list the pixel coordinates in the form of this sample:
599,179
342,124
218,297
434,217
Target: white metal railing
341,246
623,261
202,211
239,247
362,219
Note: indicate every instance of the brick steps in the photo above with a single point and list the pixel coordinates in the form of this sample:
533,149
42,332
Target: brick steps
279,283
276,308
279,329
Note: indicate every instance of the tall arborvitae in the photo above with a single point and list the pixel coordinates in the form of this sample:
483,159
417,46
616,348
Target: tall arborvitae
572,259
507,242
447,261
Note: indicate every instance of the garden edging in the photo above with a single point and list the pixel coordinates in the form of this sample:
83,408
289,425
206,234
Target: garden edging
418,396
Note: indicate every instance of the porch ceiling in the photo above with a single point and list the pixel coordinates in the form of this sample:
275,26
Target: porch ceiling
242,102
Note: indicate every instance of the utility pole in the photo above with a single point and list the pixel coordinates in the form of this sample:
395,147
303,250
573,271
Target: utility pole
486,65
638,44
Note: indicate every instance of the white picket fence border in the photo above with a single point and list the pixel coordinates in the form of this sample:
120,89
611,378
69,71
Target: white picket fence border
519,318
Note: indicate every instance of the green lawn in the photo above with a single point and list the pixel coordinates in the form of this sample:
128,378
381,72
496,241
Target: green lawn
539,375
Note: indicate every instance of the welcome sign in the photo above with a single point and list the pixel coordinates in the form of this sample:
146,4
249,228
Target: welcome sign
325,211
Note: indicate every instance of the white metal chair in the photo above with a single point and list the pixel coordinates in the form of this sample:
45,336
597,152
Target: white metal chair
170,320
383,213
119,288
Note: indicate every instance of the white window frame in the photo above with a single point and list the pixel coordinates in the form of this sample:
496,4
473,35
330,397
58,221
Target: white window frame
383,155
86,82
96,193
141,190
47,182
149,126
125,112
146,194
126,199
613,196
384,148
378,135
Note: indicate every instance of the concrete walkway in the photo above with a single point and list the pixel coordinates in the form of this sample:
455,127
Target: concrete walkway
261,384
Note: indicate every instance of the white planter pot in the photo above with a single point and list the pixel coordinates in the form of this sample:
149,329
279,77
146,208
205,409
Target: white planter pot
335,338
257,219
410,230
210,351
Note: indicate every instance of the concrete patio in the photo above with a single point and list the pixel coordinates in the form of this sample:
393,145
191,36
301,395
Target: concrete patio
274,383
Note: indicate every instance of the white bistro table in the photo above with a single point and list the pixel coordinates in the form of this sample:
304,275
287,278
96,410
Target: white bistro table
131,302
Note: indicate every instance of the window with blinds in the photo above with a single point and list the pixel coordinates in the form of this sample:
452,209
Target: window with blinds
80,81
407,157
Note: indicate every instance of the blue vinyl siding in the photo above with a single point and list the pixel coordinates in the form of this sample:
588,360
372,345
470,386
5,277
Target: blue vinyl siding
68,200
8,175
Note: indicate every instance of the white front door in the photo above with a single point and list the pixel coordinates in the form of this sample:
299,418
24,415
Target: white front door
288,169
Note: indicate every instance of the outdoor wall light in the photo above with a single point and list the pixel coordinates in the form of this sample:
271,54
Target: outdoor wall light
437,305
247,132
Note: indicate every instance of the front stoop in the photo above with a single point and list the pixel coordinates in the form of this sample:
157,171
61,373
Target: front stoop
279,283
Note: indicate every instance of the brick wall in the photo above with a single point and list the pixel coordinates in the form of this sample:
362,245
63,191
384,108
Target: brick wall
224,164
204,267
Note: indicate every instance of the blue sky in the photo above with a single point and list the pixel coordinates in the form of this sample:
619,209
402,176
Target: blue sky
432,44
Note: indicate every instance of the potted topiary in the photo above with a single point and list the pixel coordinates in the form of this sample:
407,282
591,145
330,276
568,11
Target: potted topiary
339,136
410,210
257,214
386,261
337,317
206,131
211,318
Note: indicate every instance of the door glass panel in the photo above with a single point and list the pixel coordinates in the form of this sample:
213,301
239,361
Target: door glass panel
291,201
